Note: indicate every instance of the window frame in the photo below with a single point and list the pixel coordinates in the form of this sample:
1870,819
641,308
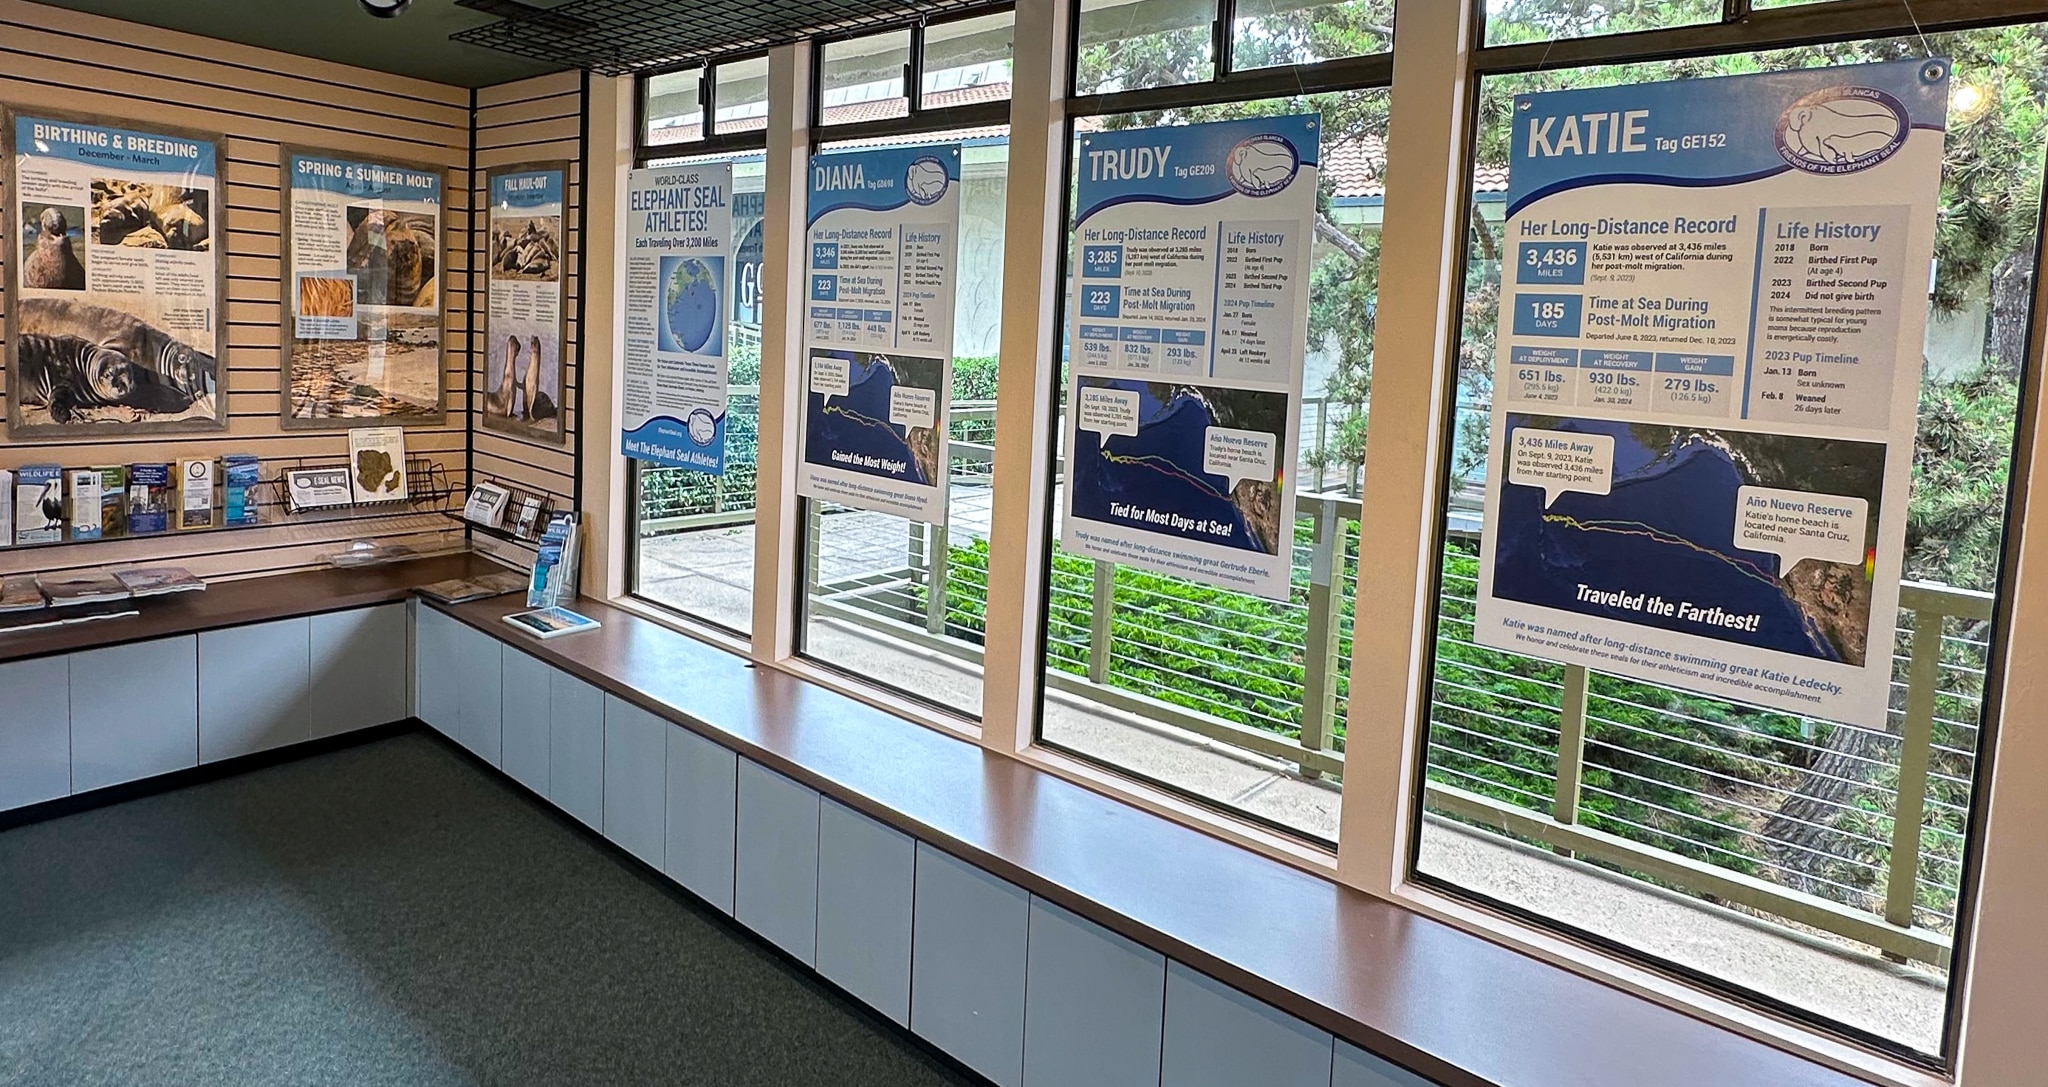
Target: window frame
710,144
1371,72
918,121
1741,28
712,141
919,118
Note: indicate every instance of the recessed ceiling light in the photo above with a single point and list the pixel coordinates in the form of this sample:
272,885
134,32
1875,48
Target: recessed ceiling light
384,9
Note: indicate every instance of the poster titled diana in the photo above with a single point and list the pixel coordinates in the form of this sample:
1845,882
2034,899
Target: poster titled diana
1187,333
878,369
115,279
362,290
523,337
673,387
1707,380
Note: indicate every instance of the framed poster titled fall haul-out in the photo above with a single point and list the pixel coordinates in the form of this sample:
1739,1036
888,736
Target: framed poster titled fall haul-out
522,383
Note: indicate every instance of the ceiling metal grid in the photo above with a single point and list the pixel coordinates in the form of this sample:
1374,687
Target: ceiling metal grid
621,37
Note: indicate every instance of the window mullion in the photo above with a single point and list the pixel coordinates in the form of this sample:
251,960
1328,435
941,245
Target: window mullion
1034,257
778,513
1411,388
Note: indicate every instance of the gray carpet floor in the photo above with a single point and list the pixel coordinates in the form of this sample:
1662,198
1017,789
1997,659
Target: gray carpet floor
389,914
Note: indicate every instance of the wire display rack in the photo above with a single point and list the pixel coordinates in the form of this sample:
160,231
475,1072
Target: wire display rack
623,37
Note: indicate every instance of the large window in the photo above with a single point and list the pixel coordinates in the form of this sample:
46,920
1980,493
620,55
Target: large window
1235,699
1812,863
693,542
890,600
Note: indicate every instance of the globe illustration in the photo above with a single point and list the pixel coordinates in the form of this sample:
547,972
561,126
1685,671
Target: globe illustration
692,304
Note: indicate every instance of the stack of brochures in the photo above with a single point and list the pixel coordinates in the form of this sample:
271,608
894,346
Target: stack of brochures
18,592
159,580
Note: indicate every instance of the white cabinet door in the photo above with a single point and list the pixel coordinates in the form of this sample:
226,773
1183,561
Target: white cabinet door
635,786
254,683
134,712
358,669
479,692
576,749
524,749
434,662
35,731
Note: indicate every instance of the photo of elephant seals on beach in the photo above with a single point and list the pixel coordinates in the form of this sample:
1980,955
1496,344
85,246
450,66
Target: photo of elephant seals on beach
529,249
53,249
144,216
82,364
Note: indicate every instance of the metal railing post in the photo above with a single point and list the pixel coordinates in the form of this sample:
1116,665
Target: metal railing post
1571,745
1319,656
1916,748
1101,604
935,583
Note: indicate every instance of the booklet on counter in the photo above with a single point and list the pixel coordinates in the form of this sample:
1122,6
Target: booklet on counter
547,623
461,590
81,587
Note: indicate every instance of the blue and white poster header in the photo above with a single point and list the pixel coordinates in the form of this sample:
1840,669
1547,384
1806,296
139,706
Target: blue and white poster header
1705,131
367,180
883,179
527,189
99,145
1191,165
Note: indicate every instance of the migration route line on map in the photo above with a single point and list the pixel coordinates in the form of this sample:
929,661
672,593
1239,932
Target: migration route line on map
1164,467
1637,528
864,420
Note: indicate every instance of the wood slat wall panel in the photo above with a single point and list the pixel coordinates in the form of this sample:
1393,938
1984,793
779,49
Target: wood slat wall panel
530,120
261,101
230,55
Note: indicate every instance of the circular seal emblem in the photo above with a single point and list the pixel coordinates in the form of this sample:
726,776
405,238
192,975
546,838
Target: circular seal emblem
1840,130
1262,165
702,427
925,180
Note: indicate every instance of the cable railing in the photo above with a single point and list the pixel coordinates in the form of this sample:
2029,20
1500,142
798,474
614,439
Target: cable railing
1773,813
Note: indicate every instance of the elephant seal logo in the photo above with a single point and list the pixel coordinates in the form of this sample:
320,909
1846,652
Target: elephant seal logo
702,427
1840,130
925,181
1262,165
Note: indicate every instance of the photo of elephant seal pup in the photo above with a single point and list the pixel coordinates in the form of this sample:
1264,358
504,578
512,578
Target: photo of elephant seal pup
67,374
175,363
122,217
53,265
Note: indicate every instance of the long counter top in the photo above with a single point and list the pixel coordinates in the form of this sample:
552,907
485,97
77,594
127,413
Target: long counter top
239,603
1436,999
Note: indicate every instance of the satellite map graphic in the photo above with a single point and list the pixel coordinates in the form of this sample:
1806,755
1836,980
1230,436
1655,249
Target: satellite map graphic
856,425
1159,468
690,310
1667,528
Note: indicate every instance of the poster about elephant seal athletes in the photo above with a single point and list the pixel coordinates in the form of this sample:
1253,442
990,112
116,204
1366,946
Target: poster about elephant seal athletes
523,338
362,297
114,281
